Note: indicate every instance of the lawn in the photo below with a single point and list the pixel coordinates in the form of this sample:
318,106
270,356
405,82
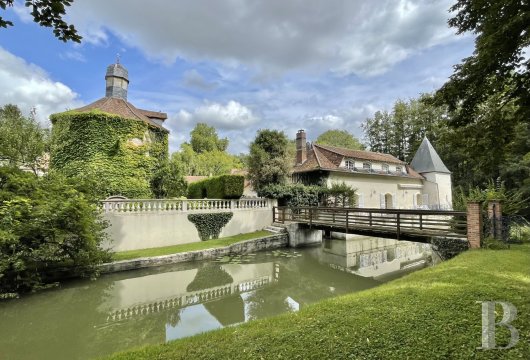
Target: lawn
429,314
168,250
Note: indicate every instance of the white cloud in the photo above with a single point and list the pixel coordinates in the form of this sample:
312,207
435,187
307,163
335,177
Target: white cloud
233,115
28,86
193,79
349,37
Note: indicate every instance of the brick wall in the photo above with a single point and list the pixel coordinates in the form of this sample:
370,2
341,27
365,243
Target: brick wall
474,225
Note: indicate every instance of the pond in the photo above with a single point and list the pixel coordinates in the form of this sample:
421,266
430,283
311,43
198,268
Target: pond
86,319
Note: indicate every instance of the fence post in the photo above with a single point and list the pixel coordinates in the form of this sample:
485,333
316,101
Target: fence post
274,214
347,213
495,218
474,224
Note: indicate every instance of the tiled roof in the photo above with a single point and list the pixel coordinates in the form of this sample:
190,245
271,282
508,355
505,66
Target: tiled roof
122,108
427,159
361,154
323,157
153,114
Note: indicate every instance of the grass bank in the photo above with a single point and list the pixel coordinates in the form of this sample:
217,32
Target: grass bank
431,313
168,250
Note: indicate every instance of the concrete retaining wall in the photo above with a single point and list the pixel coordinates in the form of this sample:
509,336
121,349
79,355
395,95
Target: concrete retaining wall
265,243
142,230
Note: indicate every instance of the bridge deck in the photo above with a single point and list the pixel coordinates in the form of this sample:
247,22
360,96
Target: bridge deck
397,223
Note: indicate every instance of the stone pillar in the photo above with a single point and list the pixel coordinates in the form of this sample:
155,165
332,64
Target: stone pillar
495,218
474,224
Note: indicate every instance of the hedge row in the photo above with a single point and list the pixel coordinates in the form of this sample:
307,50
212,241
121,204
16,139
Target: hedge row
220,187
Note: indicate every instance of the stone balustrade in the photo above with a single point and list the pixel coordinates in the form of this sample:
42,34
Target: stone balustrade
165,205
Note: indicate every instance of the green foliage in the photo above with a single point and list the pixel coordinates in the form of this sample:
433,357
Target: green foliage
48,13
339,138
493,244
268,161
210,225
45,223
513,201
294,194
204,138
340,194
498,65
22,140
168,181
197,190
220,187
125,155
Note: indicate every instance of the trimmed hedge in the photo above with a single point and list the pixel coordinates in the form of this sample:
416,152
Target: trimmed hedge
209,225
219,187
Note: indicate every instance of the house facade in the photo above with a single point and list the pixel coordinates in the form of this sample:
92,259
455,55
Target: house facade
382,181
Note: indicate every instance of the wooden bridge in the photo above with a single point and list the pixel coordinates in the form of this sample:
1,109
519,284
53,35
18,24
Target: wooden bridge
394,223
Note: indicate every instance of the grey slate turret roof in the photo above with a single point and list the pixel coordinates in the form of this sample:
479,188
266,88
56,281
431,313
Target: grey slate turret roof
427,159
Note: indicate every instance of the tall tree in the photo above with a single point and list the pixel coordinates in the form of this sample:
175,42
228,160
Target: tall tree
22,140
499,59
339,138
401,131
48,13
204,138
268,161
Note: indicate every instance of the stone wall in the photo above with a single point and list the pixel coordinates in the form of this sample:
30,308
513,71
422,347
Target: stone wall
245,247
142,224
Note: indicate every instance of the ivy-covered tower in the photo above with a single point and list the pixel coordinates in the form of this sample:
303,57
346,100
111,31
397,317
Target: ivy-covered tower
117,146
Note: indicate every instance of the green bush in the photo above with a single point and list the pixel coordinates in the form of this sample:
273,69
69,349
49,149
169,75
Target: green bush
197,190
294,194
45,223
209,225
219,187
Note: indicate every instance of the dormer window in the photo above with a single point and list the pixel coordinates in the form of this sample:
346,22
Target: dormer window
367,166
350,164
384,167
399,170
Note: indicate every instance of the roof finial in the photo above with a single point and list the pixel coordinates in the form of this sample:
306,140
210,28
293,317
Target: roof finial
117,58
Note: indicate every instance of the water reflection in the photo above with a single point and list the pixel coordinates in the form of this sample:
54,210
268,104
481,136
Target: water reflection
85,319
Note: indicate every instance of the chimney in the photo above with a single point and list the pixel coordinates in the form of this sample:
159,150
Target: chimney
301,147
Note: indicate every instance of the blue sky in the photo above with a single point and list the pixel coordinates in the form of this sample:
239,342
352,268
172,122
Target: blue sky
238,65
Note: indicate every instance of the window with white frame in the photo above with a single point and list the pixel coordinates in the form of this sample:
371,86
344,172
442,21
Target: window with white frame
367,166
384,167
350,164
399,169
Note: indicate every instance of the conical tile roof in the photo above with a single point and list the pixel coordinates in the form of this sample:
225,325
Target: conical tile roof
427,159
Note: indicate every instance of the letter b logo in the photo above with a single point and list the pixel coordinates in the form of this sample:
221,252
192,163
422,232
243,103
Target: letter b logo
488,324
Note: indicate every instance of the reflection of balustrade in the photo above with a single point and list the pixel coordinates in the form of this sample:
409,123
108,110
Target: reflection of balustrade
208,294
157,205
144,309
252,284
188,299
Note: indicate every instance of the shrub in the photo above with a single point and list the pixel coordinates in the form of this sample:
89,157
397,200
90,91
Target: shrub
294,194
45,223
209,225
197,190
219,187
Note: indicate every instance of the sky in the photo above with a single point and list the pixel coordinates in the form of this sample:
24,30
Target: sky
237,65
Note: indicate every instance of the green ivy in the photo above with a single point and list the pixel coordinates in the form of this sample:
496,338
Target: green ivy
209,225
99,145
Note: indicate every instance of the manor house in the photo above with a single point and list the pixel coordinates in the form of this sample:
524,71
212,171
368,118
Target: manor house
381,180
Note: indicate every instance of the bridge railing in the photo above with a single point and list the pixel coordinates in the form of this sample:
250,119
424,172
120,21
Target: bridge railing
400,221
168,205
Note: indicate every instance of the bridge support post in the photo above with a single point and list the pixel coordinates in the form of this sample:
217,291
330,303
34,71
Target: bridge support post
474,224
302,236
